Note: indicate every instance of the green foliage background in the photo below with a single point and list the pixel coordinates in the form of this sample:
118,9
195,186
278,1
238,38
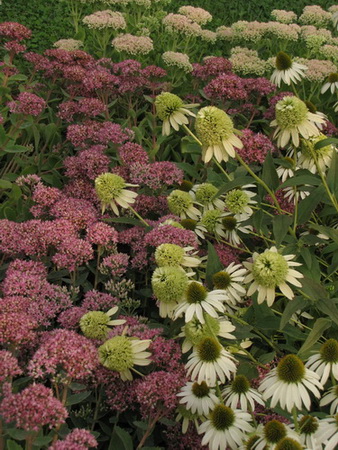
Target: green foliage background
49,19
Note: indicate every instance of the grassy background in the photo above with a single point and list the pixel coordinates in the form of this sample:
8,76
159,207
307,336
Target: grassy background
49,19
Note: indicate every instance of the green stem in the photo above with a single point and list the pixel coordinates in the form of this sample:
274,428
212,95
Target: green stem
295,420
221,168
192,134
138,216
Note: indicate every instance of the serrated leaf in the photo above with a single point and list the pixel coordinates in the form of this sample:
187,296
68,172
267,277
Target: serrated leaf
280,225
312,180
237,182
317,331
293,305
214,265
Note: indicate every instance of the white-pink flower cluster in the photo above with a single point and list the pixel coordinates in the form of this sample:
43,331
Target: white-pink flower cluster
105,19
180,60
178,23
134,45
68,44
283,16
198,15
315,15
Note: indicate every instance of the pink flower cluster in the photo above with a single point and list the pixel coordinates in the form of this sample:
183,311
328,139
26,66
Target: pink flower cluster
211,67
77,439
9,366
88,107
226,87
27,103
14,31
64,353
33,408
156,175
168,234
255,147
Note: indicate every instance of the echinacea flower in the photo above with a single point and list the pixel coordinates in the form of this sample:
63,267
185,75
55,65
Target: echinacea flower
238,202
293,119
289,443
241,392
269,270
110,189
198,397
288,384
308,426
331,397
270,434
173,255
225,428
182,204
95,324
327,433
216,131
169,285
210,362
230,279
172,111
287,70
325,363
205,194
331,84
231,225
194,331
310,157
197,301
121,353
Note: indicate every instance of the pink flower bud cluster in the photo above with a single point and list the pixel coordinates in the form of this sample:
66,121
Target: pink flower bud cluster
255,147
9,367
77,439
14,31
33,408
88,107
156,175
211,67
27,103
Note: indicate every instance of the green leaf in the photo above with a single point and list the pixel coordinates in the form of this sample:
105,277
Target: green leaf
189,145
332,174
14,148
267,357
128,220
120,440
329,307
213,265
325,142
17,434
18,77
189,169
4,184
77,398
331,232
292,306
12,445
280,226
317,331
313,289
312,180
269,174
237,182
309,203
248,370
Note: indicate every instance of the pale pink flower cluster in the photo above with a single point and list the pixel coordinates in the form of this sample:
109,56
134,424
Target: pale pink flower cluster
105,19
176,59
133,45
68,44
311,30
315,15
330,52
248,31
225,33
283,30
198,15
208,36
9,366
246,62
318,69
283,16
178,23
77,439
333,8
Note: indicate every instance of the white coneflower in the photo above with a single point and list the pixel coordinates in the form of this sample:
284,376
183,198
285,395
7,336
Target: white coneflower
198,301
293,119
327,433
211,222
241,392
210,362
187,417
216,131
121,353
226,428
269,270
231,226
172,111
169,285
310,157
182,204
288,384
110,189
95,324
270,434
205,194
325,363
174,255
308,426
238,202
331,397
231,279
288,167
198,397
331,84
194,331
287,70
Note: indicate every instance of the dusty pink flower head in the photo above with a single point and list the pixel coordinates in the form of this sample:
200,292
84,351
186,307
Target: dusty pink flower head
70,318
89,163
115,265
88,107
72,253
16,328
64,353
226,87
101,233
255,147
9,366
33,408
156,175
14,31
169,234
27,103
77,439
131,153
80,213
98,301
15,47
211,67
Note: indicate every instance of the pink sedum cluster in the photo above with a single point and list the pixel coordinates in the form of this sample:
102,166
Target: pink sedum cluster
28,104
